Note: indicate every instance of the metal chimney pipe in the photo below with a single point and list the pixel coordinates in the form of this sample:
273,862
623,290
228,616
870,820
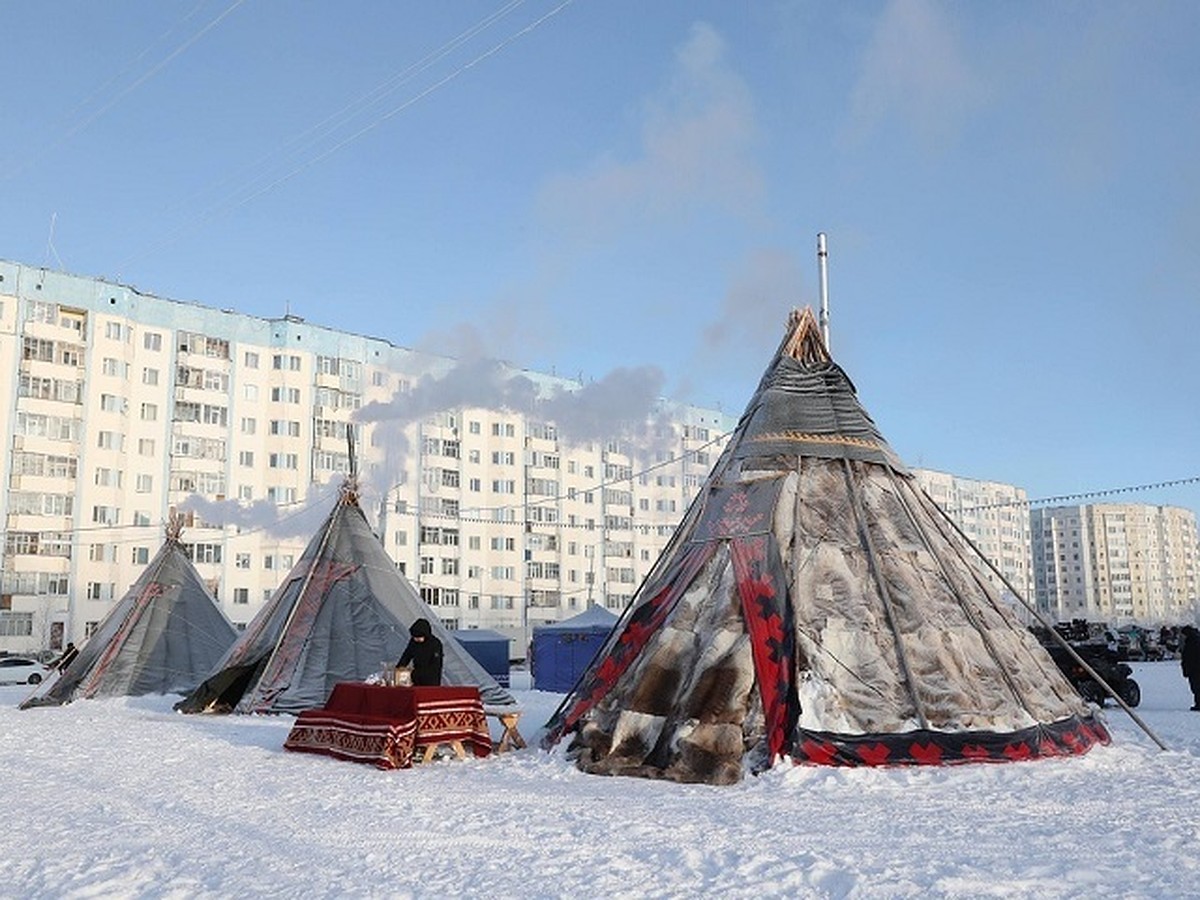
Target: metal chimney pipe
823,270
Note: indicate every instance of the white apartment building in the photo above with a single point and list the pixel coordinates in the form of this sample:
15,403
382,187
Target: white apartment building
1116,562
122,407
995,516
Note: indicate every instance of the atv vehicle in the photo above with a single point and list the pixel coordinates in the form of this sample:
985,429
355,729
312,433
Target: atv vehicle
1105,663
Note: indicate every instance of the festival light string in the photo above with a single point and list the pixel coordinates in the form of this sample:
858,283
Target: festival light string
1084,495
331,487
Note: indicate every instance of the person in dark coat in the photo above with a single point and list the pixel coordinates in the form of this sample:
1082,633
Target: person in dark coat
1189,658
424,652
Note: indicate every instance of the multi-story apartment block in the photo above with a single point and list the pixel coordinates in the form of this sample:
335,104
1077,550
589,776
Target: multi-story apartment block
122,407
995,516
1116,562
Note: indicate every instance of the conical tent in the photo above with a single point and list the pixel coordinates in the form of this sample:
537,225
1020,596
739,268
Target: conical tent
342,613
163,637
815,604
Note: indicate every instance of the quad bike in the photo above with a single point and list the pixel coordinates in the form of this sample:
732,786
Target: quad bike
1105,663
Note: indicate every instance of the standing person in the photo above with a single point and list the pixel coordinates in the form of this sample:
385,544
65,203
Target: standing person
424,651
1189,658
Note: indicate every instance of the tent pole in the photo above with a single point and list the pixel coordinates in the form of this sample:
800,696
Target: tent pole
884,594
342,498
823,269
1092,673
967,611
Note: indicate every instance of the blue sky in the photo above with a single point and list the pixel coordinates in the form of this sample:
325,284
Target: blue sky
1010,192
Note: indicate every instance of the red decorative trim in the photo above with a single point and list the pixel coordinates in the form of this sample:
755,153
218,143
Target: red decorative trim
1069,737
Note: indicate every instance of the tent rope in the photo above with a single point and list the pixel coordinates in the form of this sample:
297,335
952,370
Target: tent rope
1092,673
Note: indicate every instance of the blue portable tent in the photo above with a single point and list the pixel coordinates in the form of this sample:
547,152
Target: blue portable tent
489,649
561,651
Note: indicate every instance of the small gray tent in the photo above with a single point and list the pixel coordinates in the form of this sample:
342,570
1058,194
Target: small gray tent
161,638
343,611
561,651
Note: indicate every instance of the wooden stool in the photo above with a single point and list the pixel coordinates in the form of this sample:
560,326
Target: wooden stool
457,746
511,739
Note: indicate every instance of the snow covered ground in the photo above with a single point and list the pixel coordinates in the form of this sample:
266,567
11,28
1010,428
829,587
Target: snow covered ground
124,798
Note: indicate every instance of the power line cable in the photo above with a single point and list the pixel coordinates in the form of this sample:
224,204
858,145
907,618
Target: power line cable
86,118
312,135
233,203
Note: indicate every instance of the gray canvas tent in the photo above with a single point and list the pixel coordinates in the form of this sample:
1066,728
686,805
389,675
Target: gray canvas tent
163,637
342,613
815,604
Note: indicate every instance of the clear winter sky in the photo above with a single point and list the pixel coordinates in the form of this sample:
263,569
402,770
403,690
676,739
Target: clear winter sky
1011,193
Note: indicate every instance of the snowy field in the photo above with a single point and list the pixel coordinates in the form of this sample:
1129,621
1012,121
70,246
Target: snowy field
124,798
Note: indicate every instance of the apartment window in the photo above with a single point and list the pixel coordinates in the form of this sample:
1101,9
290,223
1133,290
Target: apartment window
145,446
475,484
109,477
473,427
250,392
110,440
152,340
141,556
241,596
149,412
246,458
450,566
149,376
117,331
145,484
426,565
250,359
249,425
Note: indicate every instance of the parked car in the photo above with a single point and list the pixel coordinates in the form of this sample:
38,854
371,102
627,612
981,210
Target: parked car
18,670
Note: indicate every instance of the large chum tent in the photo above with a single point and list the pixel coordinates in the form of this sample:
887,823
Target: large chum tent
163,637
342,613
814,603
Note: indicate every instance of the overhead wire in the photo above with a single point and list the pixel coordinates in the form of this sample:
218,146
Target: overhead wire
312,135
86,117
234,202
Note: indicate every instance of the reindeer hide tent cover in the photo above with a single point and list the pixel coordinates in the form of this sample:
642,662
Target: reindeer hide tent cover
814,603
163,637
341,614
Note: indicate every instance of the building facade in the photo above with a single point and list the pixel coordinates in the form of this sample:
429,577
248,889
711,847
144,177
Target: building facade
123,407
1116,562
995,516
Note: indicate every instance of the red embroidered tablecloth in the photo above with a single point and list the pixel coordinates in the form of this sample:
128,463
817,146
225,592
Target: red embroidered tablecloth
386,725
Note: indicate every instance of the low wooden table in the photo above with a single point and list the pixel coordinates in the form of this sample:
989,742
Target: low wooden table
391,726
